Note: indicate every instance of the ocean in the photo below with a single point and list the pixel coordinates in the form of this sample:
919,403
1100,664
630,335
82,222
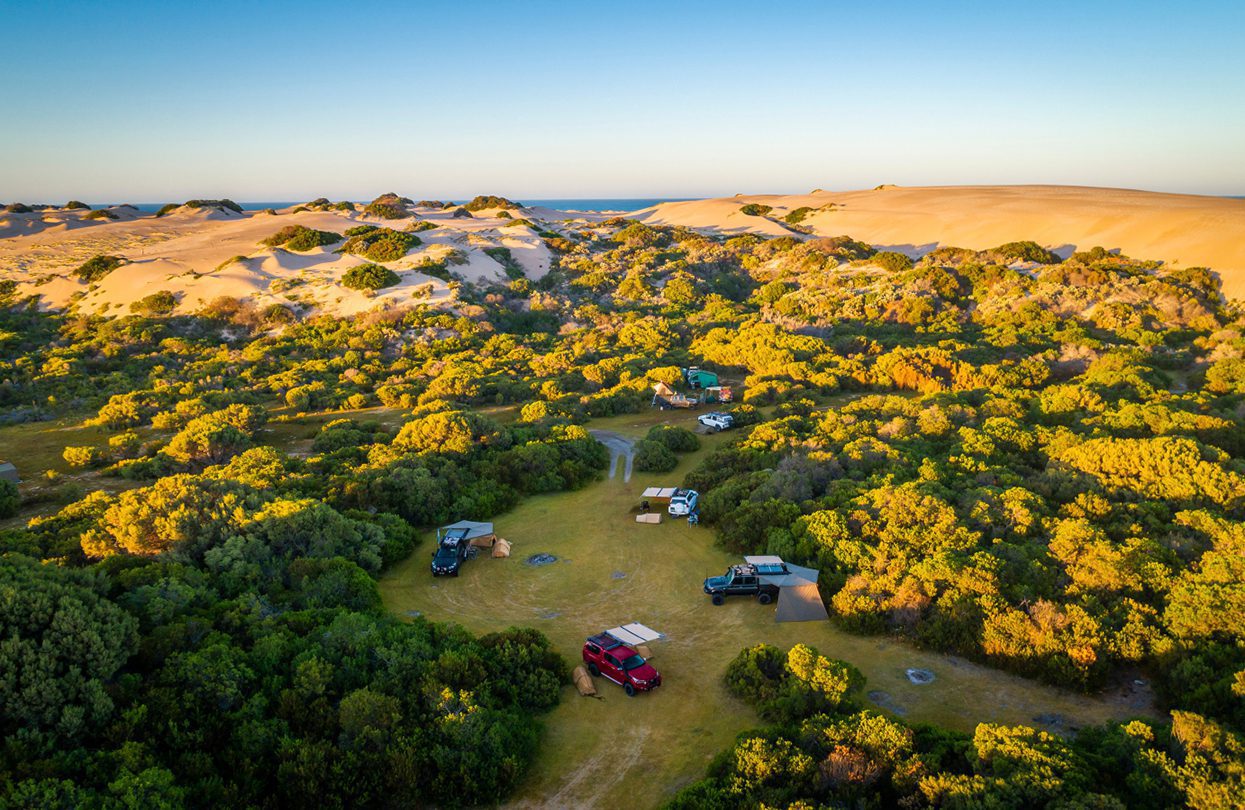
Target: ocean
586,204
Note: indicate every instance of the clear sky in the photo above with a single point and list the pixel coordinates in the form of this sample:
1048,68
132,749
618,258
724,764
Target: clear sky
153,101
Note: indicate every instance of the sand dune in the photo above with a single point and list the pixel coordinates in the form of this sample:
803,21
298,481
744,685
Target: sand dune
1180,229
184,251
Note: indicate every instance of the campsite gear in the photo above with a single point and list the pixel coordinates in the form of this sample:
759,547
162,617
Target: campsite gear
666,397
699,378
583,682
612,654
644,507
501,548
659,493
644,651
477,533
649,517
767,578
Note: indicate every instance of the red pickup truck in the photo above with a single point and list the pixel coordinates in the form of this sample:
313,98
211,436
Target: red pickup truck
610,658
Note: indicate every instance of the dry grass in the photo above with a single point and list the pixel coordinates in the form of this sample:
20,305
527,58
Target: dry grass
646,748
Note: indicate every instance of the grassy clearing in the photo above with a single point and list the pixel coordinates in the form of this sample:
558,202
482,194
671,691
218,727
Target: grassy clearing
647,747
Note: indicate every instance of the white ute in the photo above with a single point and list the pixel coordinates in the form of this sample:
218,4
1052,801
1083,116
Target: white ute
716,420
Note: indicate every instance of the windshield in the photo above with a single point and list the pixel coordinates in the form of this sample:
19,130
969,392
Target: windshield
633,662
444,553
729,575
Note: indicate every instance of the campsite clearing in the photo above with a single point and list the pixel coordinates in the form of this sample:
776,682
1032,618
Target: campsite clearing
666,740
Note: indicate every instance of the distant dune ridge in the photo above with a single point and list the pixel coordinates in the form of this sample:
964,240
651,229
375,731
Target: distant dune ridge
188,251
1179,229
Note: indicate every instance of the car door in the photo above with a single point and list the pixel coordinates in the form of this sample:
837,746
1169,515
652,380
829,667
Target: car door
611,667
743,584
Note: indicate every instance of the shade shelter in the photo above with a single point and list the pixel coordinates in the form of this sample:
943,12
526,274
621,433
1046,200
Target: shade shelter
476,533
799,598
633,634
9,473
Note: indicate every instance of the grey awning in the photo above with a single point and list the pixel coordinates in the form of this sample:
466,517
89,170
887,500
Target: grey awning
474,529
800,603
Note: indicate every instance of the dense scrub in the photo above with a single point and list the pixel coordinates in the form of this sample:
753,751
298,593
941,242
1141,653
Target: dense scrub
1035,464
822,750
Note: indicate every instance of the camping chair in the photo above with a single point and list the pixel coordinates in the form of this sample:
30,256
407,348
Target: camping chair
644,507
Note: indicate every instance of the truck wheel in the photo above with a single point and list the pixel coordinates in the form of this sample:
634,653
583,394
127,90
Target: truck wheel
629,689
592,667
764,598
718,599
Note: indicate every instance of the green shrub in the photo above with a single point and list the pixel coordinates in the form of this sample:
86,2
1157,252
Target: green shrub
420,225
85,456
676,439
168,208
892,261
158,303
798,215
369,277
277,313
756,209
653,456
384,211
230,260
302,238
1025,252
10,500
227,204
100,214
18,208
95,268
379,244
77,205
504,257
388,206
434,268
488,201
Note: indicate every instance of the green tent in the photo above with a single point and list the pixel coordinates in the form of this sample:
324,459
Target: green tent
699,378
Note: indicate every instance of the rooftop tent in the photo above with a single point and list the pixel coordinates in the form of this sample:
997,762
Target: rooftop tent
800,603
633,634
663,390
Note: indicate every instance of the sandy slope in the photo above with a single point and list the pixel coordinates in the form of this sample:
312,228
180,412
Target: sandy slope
185,253
1184,230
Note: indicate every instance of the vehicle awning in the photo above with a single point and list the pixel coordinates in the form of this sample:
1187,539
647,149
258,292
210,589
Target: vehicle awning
474,529
795,575
634,633
659,492
800,603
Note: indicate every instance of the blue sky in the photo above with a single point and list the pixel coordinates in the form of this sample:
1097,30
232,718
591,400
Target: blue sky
145,102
